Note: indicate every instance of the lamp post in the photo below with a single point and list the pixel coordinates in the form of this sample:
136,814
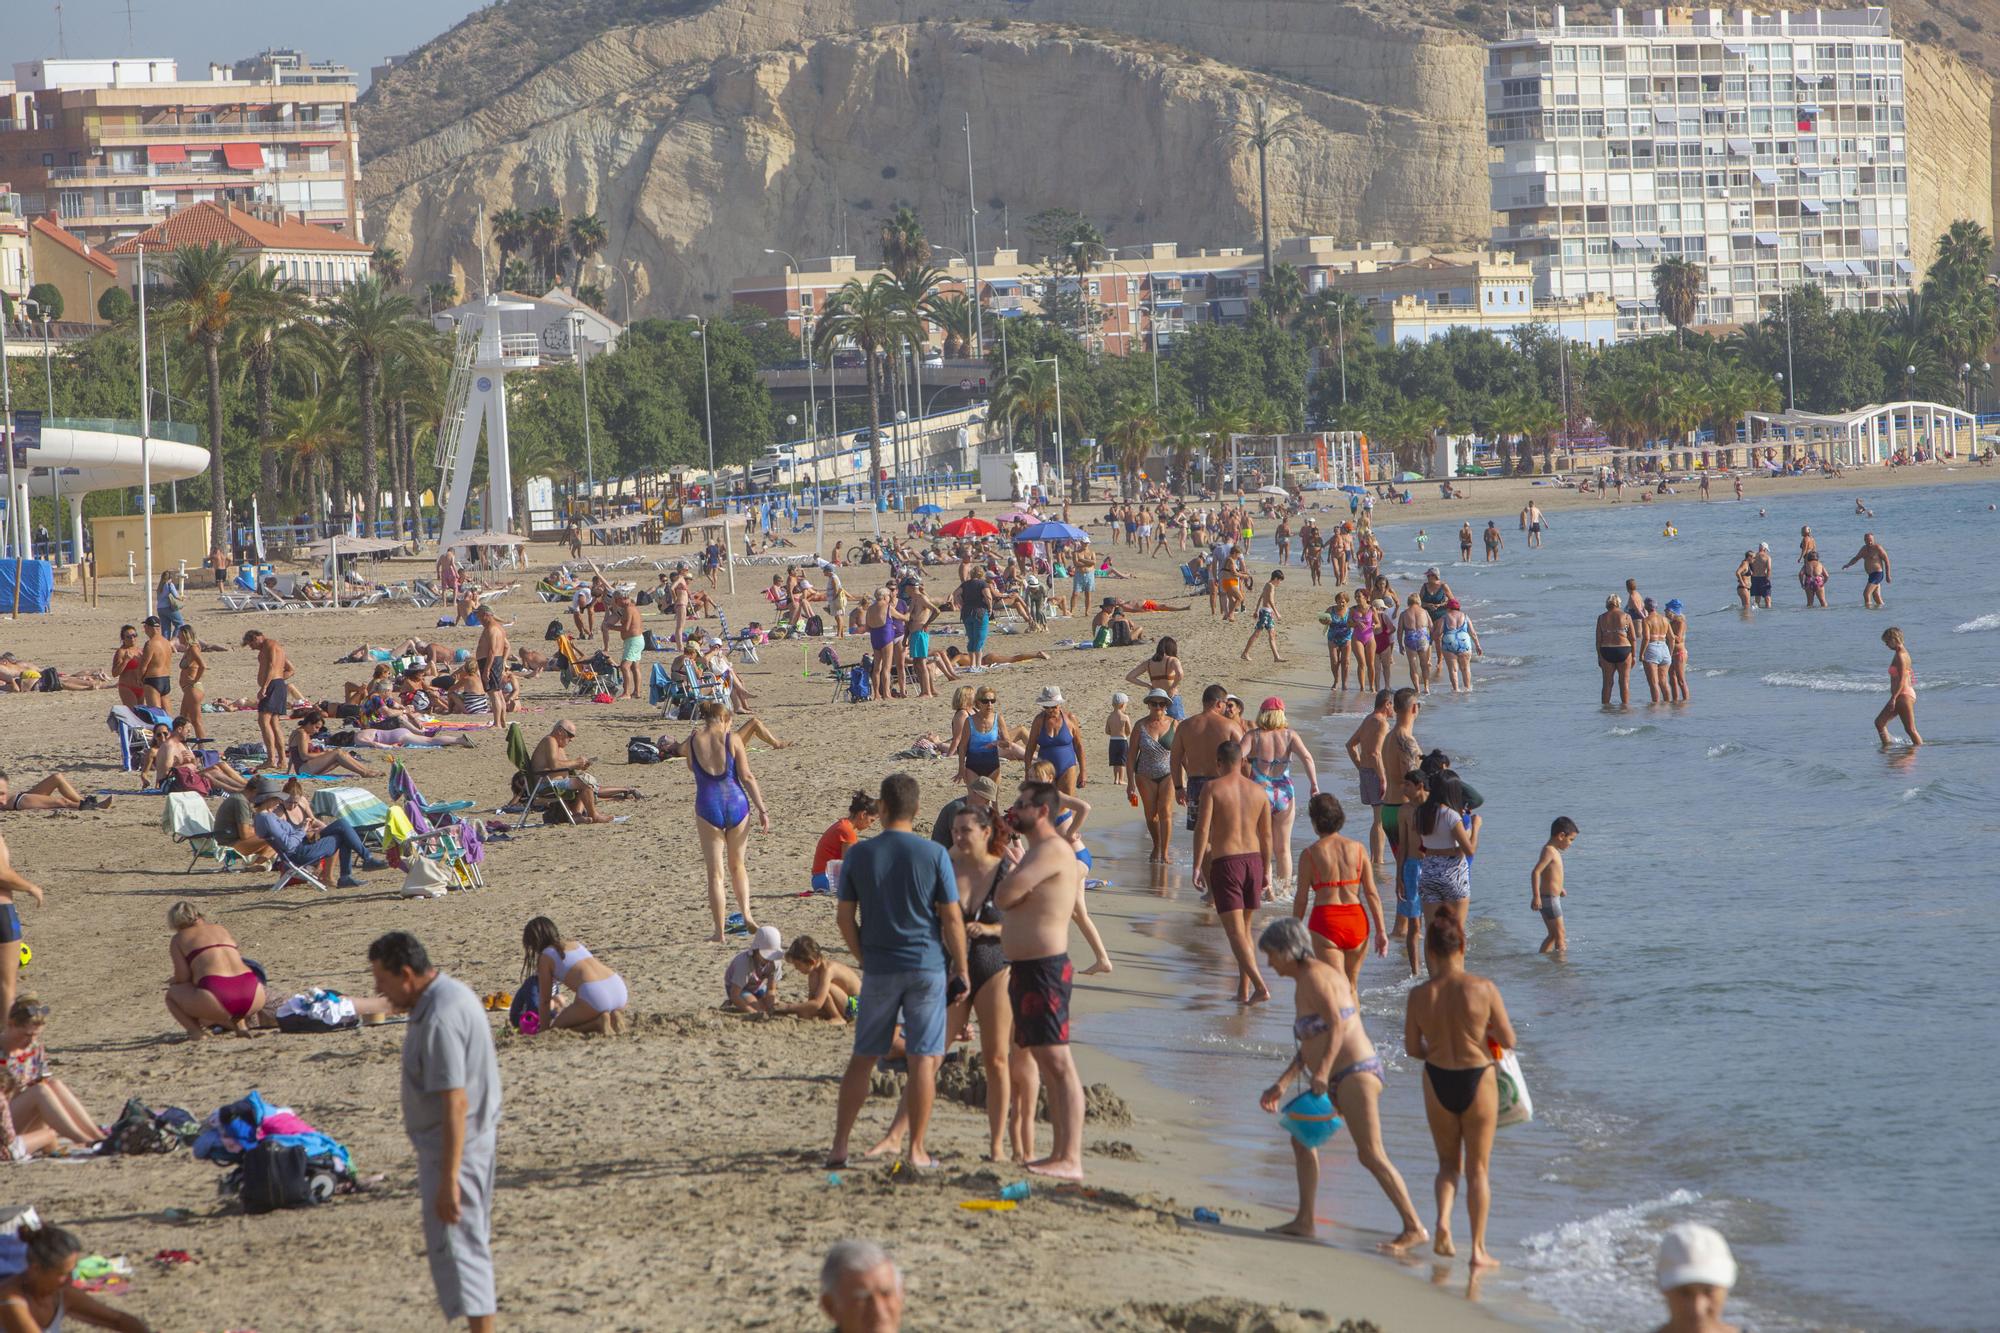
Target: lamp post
49,382
1909,375
589,460
7,439
1964,384
972,205
1062,471
1791,380
708,418
1340,342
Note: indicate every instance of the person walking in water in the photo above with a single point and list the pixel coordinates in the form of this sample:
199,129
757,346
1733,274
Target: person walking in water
1232,845
1614,652
1875,561
1453,1021
1902,703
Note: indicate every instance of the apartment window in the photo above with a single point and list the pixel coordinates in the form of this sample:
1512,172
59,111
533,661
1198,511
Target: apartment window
204,118
128,201
319,159
48,159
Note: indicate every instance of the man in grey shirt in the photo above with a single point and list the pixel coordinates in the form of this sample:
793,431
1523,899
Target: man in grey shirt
451,1111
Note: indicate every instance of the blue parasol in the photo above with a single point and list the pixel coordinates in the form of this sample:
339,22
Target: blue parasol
928,509
1051,531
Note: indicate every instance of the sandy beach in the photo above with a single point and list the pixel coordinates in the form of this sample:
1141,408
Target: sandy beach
669,1177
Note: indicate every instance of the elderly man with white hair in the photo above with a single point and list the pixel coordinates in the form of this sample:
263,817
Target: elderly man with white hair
861,1289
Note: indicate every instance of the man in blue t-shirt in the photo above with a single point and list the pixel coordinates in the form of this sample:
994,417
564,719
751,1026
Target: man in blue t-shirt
899,915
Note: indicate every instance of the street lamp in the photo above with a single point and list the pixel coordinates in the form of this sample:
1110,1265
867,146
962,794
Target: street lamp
1062,470
1909,374
708,417
589,460
1785,304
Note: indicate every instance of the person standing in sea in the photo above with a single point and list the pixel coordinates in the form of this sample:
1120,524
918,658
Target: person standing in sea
1902,703
1760,576
1364,750
1614,652
1232,845
451,1112
1453,1021
1398,756
1875,562
1535,522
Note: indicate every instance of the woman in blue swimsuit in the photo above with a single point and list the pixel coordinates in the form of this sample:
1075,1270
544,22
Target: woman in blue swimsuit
1052,737
984,743
724,792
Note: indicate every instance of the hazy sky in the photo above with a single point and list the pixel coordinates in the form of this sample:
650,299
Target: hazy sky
356,32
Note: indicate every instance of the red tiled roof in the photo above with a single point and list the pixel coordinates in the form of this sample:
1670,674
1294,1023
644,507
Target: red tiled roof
51,228
205,222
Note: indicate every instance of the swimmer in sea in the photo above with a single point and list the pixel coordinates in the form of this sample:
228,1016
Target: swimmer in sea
1861,509
1875,561
1677,642
1902,703
1614,652
1812,577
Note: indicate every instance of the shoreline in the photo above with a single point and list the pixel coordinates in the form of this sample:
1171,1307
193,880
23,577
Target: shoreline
708,1126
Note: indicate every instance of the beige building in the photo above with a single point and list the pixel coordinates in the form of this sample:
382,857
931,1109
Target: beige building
15,264
79,271
112,145
319,260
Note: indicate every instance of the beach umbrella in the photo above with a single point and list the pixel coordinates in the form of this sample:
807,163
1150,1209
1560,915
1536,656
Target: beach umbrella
1355,490
929,509
1272,490
1018,516
969,526
1321,486
1052,532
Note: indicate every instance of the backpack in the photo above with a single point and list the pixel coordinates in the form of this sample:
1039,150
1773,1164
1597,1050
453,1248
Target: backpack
602,664
138,1132
553,632
641,750
815,626
645,597
859,685
280,1175
51,680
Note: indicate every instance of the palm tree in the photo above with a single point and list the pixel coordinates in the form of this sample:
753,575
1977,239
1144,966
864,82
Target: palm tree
441,292
516,276
1130,437
310,433
388,262
201,282
1281,296
1264,130
952,313
870,316
1223,419
1029,395
904,249
1180,432
1964,256
510,233
367,325
272,333
1677,287
1329,319
545,242
587,236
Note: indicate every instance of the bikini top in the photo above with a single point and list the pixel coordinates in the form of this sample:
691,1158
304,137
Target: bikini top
564,962
1307,1026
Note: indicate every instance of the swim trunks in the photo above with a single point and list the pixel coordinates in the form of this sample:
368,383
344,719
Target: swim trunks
160,685
1760,586
1116,751
635,648
1038,991
1408,901
276,699
1343,925
1264,619
1236,883
1391,812
920,644
494,674
1371,787
1552,909
10,924
1194,789
1875,576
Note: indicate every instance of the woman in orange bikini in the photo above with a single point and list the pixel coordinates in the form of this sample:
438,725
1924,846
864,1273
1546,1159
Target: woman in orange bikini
1902,690
1343,895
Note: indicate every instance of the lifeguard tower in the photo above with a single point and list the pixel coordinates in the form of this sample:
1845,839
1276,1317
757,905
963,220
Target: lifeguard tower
478,398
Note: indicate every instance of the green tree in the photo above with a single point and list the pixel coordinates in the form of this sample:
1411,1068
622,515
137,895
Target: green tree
871,317
546,243
1263,131
1029,396
1133,431
48,299
201,309
366,325
387,261
952,313
587,237
905,251
510,233
115,306
1677,287
272,333
1281,296
439,294
309,435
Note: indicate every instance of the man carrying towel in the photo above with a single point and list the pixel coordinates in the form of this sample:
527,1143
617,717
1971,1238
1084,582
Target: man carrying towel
451,1111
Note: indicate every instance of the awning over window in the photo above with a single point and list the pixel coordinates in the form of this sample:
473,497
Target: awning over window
1815,266
243,156
1624,243
1906,266
1740,147
1857,268
1812,205
165,152
1765,174
1767,238
1002,284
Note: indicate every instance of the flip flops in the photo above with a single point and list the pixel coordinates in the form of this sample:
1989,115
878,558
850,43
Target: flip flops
499,1000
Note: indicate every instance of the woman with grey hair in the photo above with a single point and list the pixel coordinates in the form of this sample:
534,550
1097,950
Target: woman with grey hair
1339,1061
860,1288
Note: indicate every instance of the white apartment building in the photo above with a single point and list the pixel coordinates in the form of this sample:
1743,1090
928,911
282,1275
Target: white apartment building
1767,148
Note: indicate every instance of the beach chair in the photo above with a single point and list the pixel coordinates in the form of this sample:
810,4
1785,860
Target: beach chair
133,725
577,675
188,819
290,872
1191,581
425,593
403,787
408,835
658,686
540,789
362,809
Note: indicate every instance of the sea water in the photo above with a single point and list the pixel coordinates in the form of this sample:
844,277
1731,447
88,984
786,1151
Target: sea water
1772,1017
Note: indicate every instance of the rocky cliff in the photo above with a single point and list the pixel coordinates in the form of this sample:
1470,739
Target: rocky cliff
703,132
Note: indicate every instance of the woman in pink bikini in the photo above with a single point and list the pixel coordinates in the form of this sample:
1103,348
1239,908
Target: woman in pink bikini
1902,703
212,986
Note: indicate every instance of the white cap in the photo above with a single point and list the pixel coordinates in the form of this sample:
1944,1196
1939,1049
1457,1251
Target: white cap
769,945
1050,697
1120,698
1692,1254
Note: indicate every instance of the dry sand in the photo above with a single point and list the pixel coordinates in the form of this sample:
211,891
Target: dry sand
667,1178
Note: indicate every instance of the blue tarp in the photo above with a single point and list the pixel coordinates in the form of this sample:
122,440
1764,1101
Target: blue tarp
37,583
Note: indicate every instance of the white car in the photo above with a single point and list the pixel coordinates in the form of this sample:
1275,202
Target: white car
934,361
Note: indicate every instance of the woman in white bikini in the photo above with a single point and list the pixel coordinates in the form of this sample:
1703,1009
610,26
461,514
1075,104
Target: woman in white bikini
598,994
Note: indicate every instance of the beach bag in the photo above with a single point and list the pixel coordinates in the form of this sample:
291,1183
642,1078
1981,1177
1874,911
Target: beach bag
317,1011
603,665
859,687
815,626
186,777
645,597
641,750
553,632
1516,1107
278,1175
425,877
138,1133
528,996
252,751
658,642
51,680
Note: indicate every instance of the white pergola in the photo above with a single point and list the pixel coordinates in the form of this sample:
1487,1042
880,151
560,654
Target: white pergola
1868,434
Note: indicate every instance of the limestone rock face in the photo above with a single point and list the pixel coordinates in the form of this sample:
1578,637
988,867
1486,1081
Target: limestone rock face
703,132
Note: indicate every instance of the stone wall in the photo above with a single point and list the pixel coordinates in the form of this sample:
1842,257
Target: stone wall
1949,112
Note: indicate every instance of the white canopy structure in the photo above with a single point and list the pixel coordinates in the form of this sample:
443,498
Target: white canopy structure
73,457
1871,434
476,400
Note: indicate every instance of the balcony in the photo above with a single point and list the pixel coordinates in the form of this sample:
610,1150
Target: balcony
263,131
221,171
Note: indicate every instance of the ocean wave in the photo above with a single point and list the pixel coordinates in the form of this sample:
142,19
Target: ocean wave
1504,661
1503,615
1799,680
1724,750
1639,730
1713,672
1990,621
1595,1271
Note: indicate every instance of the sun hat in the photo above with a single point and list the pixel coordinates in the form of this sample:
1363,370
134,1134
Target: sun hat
986,787
1673,606
1236,699
1451,604
1033,582
1272,705
1050,697
768,943
1691,1254
1156,695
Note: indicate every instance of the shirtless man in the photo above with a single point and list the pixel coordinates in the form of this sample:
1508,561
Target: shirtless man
1535,522
1037,899
12,882
634,630
1614,652
1760,576
1194,748
491,657
1363,747
1875,561
1465,542
156,665
1494,541
1396,754
1232,845
917,635
274,694
553,759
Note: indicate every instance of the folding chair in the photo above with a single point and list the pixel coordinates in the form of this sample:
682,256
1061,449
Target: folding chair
288,874
133,725
535,786
363,810
187,818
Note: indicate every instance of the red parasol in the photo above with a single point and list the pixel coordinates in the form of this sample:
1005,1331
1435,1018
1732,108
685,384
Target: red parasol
969,526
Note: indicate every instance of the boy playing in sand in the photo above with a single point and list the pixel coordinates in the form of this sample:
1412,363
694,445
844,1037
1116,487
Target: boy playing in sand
1545,883
750,981
833,990
1119,728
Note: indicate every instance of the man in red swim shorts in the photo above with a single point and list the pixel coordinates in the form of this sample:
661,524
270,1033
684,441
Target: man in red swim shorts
1037,899
1232,845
